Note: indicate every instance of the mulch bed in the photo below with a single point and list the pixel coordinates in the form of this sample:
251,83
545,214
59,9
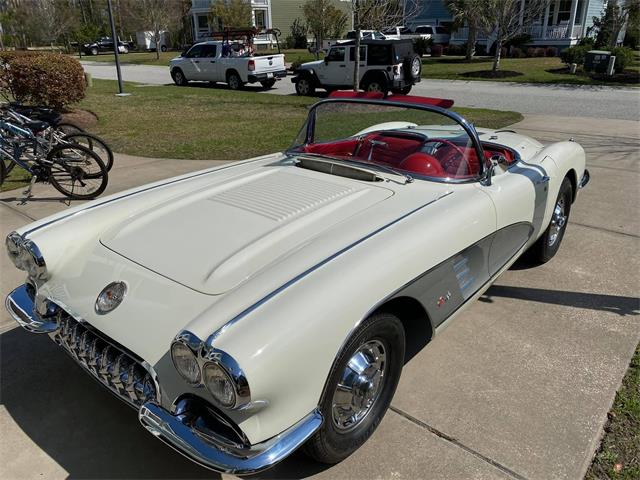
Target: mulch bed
83,118
492,74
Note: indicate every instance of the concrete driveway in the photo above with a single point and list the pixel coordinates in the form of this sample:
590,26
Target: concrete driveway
566,100
518,387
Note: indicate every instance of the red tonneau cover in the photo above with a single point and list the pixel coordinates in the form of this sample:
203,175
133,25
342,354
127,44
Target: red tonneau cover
438,102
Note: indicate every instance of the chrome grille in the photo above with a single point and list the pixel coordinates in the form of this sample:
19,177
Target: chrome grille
116,369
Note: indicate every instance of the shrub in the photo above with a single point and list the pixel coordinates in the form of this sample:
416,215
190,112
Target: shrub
455,49
518,41
50,79
298,37
539,52
624,56
503,52
531,52
551,52
574,54
517,53
436,51
422,45
481,49
586,42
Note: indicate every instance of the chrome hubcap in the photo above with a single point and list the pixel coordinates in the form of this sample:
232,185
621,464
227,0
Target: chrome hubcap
375,87
360,385
558,221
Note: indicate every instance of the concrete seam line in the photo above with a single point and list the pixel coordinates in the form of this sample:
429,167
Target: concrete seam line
608,230
13,209
613,137
455,442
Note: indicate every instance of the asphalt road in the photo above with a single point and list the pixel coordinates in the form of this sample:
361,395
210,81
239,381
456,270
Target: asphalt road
518,387
562,100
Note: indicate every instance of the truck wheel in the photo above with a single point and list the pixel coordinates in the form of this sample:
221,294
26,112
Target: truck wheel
359,389
403,91
268,83
376,84
163,48
94,51
304,87
125,49
234,81
179,78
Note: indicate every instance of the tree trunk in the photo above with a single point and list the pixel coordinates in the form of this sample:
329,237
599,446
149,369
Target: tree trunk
471,43
156,35
496,57
317,47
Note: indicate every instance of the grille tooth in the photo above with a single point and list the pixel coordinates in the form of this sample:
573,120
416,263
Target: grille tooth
115,369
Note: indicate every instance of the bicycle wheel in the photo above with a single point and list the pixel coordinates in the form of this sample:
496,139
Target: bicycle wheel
77,172
3,172
67,128
93,143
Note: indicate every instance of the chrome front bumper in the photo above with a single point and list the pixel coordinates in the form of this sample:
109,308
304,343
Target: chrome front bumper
91,350
171,430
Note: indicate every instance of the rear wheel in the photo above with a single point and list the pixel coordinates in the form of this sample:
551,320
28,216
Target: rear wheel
77,172
234,81
360,388
94,51
304,87
93,143
376,84
548,244
163,48
3,171
403,91
268,83
67,128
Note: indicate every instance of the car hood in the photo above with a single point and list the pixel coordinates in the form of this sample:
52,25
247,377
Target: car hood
214,238
311,65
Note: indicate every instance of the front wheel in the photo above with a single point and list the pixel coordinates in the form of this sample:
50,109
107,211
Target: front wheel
93,143
179,78
268,83
304,87
77,172
359,389
548,244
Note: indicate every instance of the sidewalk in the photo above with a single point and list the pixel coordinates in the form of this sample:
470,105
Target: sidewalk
518,387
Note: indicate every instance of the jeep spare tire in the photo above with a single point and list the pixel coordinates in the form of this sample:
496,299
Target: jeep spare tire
412,67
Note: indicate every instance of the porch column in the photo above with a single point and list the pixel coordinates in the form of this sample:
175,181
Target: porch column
194,23
545,21
521,12
572,18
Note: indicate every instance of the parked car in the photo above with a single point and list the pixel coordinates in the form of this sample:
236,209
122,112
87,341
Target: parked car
385,65
146,40
439,35
221,62
286,321
105,44
368,34
398,33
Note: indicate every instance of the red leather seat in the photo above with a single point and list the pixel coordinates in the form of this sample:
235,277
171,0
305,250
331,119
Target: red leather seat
337,148
423,164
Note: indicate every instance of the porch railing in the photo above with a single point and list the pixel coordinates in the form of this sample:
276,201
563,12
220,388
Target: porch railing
553,32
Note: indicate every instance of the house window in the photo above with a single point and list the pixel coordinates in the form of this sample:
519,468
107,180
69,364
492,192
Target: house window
260,19
564,11
203,22
579,13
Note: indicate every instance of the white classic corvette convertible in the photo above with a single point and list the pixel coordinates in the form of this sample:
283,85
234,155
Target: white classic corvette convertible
250,309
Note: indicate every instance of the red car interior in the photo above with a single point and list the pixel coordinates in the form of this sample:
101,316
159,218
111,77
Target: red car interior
403,151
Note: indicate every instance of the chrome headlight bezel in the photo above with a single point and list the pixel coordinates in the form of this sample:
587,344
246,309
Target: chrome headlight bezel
26,256
209,357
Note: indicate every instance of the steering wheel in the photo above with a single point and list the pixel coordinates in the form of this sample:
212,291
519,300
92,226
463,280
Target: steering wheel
446,142
450,161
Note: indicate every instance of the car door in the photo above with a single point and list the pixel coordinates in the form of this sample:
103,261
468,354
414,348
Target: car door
209,64
352,59
335,71
191,64
519,193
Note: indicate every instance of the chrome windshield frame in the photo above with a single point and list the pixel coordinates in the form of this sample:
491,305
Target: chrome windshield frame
459,119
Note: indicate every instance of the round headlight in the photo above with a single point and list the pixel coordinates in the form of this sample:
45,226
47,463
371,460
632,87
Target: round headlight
13,243
219,384
186,363
32,261
110,297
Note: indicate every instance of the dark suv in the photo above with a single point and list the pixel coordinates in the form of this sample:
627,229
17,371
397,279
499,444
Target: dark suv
105,44
385,65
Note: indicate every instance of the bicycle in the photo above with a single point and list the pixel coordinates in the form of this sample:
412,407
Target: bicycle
73,170
59,132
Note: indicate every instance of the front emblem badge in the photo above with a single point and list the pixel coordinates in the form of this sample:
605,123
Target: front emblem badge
443,299
110,297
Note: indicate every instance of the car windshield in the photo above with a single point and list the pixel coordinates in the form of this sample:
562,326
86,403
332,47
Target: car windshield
417,141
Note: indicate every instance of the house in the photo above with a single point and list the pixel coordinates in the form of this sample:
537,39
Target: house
563,23
265,14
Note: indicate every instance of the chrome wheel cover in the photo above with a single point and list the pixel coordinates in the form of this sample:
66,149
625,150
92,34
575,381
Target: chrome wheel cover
179,78
415,67
374,87
558,221
359,386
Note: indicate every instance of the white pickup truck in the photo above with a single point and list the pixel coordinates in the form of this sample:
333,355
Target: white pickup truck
222,62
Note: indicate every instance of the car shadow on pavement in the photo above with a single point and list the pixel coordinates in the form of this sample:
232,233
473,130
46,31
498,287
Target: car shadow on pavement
594,301
77,422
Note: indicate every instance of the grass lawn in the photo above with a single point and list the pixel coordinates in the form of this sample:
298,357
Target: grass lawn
17,178
149,58
203,122
533,70
619,454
